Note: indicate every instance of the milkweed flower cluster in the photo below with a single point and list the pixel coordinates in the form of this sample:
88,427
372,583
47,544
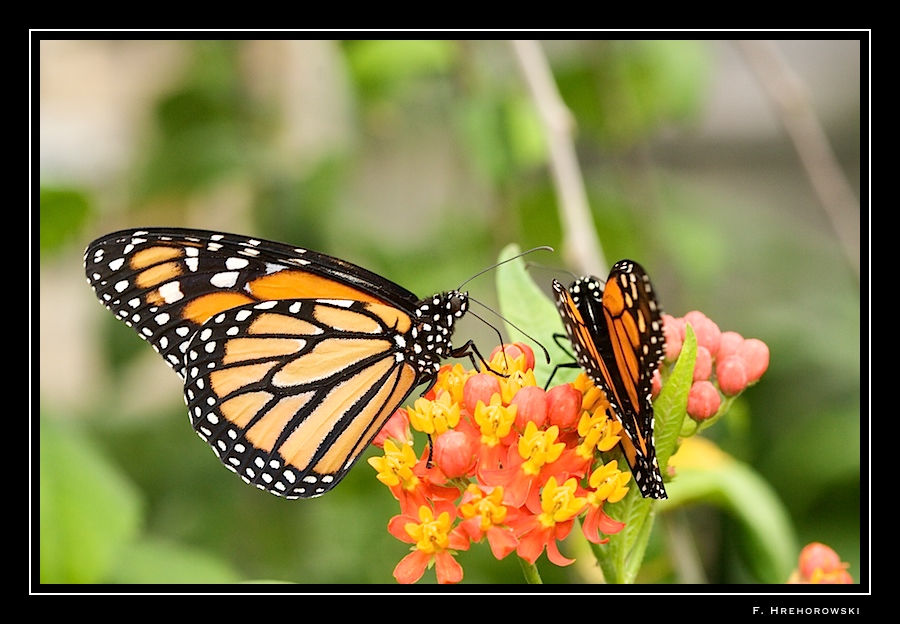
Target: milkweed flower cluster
819,564
727,363
508,463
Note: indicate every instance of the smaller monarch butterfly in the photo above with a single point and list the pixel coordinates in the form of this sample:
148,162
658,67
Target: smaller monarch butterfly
292,360
616,332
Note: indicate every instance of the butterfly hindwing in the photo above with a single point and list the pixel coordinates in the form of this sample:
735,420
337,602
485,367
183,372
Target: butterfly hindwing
616,332
292,360
289,393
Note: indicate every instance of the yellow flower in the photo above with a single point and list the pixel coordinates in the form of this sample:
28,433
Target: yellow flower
517,380
608,483
434,417
539,447
594,399
396,466
489,507
432,534
559,503
453,380
494,420
599,431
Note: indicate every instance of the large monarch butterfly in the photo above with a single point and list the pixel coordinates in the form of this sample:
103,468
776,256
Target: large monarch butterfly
292,360
616,332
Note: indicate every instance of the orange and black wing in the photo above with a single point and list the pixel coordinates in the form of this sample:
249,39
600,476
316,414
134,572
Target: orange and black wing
616,332
290,393
166,282
292,360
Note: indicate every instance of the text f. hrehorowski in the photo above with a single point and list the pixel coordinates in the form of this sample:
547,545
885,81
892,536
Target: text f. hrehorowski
806,610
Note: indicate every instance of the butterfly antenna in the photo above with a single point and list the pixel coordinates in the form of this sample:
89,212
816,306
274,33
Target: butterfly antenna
491,268
510,323
544,267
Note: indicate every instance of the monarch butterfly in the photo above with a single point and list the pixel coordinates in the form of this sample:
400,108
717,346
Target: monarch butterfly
292,360
616,332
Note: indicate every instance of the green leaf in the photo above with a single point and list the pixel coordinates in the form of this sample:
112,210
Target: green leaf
670,407
525,305
621,558
88,512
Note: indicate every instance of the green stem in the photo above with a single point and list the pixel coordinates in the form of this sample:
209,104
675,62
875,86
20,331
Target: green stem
532,576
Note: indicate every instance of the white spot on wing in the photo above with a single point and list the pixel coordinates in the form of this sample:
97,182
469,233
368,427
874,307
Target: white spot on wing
171,292
235,264
224,280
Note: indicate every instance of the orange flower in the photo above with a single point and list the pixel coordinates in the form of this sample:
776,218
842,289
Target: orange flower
484,514
819,564
503,464
609,486
559,507
434,539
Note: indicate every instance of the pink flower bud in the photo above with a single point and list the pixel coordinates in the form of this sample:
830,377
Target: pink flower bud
708,333
816,555
564,406
819,564
532,405
703,366
703,400
755,354
673,330
729,344
396,428
655,384
454,453
480,387
731,374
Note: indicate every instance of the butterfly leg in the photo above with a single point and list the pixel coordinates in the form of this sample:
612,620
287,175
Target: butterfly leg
470,350
572,364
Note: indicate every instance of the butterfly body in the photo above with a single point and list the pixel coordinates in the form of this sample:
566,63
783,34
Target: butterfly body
616,332
292,360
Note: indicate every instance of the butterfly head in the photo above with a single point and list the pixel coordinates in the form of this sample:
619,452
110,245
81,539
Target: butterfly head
456,304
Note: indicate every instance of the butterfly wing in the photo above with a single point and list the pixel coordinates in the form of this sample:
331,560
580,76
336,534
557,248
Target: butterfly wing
292,360
166,282
290,393
617,335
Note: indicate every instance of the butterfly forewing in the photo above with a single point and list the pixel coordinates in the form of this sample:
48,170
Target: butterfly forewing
616,332
165,283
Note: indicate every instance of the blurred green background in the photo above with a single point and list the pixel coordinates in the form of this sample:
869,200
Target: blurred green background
420,160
